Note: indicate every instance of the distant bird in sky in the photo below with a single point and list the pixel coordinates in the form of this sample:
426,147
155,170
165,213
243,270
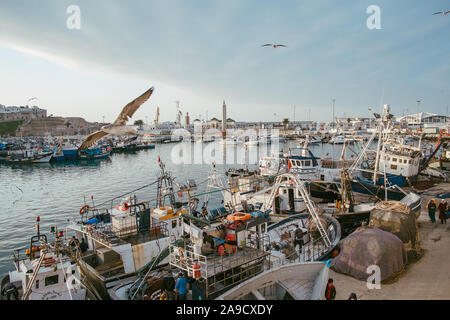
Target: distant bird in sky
442,12
119,126
273,45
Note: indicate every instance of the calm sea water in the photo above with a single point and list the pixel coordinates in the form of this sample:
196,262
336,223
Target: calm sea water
55,192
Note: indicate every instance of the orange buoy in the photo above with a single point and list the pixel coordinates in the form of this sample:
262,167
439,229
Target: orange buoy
230,237
239,216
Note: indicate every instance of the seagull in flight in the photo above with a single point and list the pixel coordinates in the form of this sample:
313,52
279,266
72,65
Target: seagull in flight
119,126
273,45
442,12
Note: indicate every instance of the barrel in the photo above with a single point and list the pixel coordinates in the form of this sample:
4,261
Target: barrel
196,271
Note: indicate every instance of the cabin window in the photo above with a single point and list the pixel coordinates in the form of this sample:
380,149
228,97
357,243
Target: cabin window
394,159
263,228
308,163
394,166
405,161
174,224
49,281
37,284
410,161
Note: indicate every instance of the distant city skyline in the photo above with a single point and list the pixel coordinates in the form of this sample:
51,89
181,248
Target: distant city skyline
201,53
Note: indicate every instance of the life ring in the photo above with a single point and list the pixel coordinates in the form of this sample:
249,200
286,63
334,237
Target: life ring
181,254
239,216
124,207
84,209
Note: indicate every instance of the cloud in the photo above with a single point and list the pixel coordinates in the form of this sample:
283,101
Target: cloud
208,51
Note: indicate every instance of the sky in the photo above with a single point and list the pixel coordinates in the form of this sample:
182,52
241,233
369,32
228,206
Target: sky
205,51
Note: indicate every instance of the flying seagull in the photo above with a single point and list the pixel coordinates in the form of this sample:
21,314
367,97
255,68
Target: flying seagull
273,45
118,126
442,12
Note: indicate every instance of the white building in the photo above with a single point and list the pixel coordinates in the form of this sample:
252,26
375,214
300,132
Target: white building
425,119
21,113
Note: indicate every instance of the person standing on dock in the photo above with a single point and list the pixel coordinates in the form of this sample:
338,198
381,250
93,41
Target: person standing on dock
431,207
443,206
180,287
330,292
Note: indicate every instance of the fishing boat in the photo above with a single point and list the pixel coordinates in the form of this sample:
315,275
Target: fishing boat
298,281
44,271
129,238
222,255
337,139
95,153
28,157
70,151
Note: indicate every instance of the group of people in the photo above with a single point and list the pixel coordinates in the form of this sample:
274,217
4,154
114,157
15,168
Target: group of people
432,205
75,244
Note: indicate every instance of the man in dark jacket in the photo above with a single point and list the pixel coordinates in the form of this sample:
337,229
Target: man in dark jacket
330,292
443,211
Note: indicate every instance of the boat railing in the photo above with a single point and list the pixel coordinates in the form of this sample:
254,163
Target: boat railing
19,255
311,251
128,232
210,265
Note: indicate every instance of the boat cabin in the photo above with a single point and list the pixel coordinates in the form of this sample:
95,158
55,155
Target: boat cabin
125,239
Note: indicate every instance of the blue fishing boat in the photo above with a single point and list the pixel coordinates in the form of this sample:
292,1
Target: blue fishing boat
95,153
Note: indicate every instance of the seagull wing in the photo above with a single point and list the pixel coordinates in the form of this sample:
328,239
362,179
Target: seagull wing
92,139
281,45
130,109
267,45
447,12
440,12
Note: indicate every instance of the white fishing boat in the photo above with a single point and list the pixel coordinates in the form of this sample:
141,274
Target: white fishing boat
298,281
45,271
128,238
338,139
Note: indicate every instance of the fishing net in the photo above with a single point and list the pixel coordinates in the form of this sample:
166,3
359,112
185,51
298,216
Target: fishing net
369,246
396,217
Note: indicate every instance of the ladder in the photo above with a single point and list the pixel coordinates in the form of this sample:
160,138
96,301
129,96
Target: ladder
268,204
311,208
300,186
33,277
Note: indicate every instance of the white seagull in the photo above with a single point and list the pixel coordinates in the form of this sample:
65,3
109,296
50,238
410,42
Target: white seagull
273,45
119,126
442,12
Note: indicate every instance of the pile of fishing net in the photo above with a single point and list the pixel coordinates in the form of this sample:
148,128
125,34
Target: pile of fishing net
396,217
366,247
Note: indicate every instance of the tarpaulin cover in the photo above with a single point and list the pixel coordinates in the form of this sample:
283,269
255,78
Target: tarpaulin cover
396,217
369,246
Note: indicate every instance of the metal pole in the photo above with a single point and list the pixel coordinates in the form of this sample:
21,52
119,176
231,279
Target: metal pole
332,120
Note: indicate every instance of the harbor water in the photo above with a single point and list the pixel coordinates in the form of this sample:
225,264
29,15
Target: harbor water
55,192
